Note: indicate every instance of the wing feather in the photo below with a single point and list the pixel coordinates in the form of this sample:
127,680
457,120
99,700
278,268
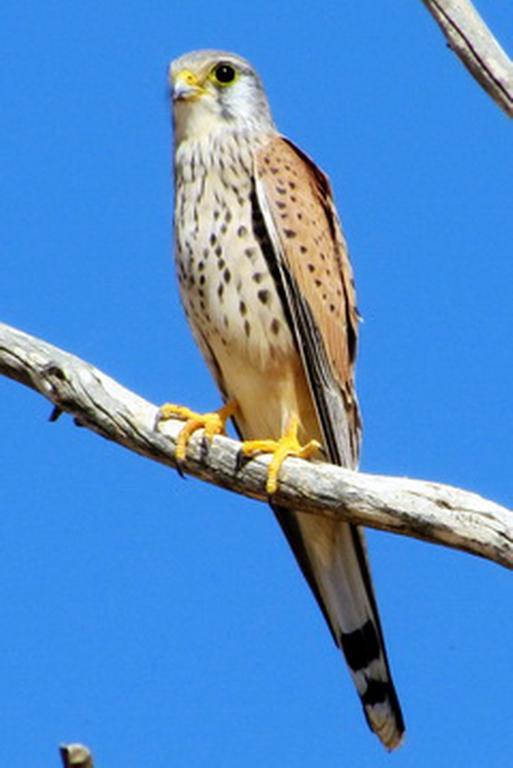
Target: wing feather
296,198
310,264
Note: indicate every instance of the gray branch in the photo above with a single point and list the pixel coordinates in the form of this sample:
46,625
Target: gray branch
471,40
424,510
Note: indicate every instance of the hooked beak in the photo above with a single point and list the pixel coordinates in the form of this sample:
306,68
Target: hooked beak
186,86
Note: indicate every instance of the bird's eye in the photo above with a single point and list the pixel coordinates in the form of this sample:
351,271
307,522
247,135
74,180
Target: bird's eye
224,74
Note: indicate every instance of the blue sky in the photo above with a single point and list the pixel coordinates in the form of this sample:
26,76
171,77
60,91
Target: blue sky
162,621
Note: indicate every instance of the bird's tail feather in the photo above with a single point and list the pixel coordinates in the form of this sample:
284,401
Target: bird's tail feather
333,560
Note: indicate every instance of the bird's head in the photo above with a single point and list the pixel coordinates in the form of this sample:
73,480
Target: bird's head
214,91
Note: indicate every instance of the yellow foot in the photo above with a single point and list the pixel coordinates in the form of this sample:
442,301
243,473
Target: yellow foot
213,423
287,445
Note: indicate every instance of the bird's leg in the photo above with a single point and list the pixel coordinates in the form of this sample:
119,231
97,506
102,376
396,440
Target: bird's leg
287,445
213,423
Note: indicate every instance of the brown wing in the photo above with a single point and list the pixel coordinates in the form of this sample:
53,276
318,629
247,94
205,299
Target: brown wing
299,202
308,257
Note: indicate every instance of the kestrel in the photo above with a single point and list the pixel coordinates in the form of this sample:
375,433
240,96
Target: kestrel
267,287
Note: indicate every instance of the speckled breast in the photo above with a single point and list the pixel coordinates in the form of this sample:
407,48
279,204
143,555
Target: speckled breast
226,285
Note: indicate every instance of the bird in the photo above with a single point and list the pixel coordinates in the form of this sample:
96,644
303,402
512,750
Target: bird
267,287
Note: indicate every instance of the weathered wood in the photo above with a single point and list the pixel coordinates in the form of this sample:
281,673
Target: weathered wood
424,510
471,40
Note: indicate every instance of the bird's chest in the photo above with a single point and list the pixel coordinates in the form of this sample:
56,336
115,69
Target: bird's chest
227,289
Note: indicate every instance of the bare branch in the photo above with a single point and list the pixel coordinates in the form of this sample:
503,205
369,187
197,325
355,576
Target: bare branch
436,513
471,40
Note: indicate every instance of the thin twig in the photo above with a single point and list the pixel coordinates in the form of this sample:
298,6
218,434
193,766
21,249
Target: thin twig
436,513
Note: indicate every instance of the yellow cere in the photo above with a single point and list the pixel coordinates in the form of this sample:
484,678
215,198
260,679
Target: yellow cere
186,77
187,86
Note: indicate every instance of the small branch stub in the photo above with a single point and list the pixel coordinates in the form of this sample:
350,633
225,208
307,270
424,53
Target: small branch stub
76,756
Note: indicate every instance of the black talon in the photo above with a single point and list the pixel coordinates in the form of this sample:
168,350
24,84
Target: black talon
241,460
204,446
56,412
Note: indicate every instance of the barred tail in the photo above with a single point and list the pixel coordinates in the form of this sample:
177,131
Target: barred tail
333,560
